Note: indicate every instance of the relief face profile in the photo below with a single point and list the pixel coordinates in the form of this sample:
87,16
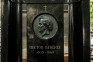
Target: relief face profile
45,26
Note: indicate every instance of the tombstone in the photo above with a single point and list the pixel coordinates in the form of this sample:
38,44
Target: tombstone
45,30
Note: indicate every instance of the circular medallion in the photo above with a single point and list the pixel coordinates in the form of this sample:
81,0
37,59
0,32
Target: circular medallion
45,26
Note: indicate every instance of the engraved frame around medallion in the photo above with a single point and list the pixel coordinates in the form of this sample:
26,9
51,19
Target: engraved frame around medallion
50,27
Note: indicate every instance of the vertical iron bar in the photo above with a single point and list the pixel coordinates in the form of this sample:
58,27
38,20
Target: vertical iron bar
19,30
71,30
86,30
78,33
15,33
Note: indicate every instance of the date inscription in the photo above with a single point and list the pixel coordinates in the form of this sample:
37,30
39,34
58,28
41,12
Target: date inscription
43,52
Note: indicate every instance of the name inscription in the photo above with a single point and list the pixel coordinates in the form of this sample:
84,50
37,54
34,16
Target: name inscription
44,47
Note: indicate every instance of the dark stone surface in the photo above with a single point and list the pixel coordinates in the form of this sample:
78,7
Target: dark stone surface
79,47
58,40
44,1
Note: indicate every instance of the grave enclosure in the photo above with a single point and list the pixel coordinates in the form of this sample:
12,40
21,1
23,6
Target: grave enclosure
43,26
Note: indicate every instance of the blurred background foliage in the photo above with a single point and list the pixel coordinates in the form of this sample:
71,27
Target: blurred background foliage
91,17
91,13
